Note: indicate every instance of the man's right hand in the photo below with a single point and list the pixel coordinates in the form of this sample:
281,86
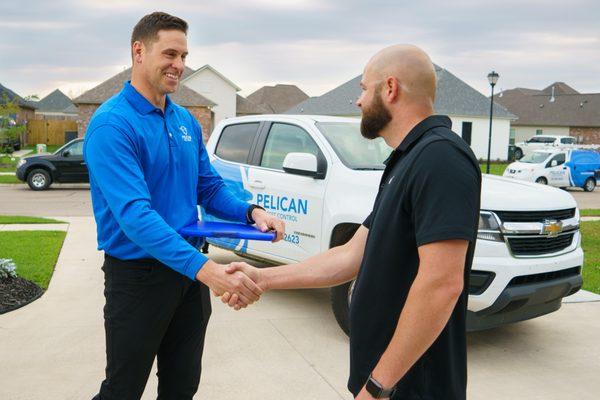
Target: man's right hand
257,276
220,281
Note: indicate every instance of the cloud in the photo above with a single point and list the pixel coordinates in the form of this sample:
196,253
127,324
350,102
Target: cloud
316,44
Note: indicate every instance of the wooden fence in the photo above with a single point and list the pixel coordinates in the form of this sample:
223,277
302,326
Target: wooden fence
50,131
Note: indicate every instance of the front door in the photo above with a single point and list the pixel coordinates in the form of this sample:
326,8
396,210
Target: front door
295,199
558,175
70,164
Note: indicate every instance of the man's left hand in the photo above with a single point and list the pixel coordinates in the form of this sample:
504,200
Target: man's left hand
364,395
265,221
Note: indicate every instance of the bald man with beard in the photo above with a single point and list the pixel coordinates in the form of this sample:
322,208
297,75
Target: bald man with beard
412,255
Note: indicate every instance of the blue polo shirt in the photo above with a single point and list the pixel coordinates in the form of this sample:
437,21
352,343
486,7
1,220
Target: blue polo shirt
148,172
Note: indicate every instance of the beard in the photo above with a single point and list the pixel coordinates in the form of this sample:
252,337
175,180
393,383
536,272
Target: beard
374,119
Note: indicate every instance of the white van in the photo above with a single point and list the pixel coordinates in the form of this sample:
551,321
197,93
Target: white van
321,176
561,168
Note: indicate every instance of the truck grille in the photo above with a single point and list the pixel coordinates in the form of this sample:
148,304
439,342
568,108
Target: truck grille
534,216
532,246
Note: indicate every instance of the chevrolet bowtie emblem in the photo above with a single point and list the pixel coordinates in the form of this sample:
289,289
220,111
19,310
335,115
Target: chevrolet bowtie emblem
552,228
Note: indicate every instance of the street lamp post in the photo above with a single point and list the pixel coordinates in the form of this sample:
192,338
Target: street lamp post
492,78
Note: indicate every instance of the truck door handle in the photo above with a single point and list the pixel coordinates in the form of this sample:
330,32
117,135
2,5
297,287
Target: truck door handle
257,184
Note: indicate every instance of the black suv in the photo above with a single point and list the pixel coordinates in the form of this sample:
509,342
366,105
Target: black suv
66,165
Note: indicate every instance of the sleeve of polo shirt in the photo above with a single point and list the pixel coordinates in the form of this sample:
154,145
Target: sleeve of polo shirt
444,194
213,194
116,170
367,222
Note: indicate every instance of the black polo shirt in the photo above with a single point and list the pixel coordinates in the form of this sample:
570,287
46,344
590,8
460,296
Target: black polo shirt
429,192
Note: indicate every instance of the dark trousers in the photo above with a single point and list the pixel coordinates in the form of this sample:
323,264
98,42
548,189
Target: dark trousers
152,311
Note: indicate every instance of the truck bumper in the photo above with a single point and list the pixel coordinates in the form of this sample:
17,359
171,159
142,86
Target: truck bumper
20,173
522,300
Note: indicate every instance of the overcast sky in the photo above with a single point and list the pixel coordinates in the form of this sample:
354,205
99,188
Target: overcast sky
74,45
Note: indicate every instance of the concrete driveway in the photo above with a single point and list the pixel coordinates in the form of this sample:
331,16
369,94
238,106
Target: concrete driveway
286,346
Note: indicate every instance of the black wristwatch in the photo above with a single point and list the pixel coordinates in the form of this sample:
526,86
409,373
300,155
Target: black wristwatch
249,213
376,390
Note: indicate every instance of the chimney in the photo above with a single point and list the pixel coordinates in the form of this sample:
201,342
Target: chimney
552,99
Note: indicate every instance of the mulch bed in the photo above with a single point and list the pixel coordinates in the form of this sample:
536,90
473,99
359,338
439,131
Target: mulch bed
17,292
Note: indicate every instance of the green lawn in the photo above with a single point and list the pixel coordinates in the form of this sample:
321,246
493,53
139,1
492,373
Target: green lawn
496,168
50,148
590,231
19,219
34,253
9,179
590,212
8,163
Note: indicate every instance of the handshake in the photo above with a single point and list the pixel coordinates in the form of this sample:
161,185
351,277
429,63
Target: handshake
238,284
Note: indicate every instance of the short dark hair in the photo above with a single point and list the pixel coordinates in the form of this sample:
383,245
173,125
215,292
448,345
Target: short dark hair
146,30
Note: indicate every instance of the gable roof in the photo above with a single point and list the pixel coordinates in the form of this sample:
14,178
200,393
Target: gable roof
184,96
453,97
220,75
56,101
246,107
13,97
278,98
537,107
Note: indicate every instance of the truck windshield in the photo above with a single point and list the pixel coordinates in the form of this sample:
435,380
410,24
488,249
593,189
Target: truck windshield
535,158
352,148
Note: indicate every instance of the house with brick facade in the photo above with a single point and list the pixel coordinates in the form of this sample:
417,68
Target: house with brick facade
26,108
199,106
556,110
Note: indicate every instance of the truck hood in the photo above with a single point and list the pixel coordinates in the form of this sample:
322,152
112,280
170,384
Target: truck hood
505,194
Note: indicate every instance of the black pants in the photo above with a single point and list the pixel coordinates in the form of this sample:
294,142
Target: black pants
152,311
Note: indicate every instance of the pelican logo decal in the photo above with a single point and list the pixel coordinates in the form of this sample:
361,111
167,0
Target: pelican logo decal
552,228
184,134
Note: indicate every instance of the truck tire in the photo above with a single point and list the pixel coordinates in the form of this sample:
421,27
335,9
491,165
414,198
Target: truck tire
541,180
340,303
39,179
518,154
341,295
589,185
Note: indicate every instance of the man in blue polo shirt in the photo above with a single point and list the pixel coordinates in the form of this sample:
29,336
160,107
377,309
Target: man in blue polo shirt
148,172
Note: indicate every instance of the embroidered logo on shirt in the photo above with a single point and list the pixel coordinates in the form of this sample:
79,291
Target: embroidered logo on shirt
185,136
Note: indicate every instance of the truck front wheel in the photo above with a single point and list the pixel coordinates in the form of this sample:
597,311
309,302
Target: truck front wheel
39,179
541,180
340,303
518,154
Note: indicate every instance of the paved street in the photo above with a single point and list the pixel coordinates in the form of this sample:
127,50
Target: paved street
286,346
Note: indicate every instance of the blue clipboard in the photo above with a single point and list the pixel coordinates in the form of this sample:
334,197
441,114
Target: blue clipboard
226,230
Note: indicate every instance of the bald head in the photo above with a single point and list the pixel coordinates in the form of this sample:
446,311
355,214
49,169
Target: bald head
412,68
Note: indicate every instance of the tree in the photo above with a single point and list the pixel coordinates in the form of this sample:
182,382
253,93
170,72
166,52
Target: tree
10,130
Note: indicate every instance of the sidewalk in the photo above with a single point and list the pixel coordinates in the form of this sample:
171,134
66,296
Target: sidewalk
287,346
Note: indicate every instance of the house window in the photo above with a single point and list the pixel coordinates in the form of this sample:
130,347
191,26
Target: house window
538,131
511,139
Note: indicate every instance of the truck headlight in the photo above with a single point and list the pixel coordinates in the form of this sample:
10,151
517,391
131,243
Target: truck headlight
21,162
489,229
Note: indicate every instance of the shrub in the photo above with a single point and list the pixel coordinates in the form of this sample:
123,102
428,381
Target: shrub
8,269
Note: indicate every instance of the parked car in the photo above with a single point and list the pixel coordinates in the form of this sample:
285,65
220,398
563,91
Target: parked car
544,142
65,165
560,168
320,176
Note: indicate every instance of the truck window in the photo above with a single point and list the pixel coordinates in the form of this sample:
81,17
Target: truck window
284,139
567,140
235,142
76,149
559,158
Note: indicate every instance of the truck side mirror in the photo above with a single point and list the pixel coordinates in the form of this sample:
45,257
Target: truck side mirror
66,153
304,164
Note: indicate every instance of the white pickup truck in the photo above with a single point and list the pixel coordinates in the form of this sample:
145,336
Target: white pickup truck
321,176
